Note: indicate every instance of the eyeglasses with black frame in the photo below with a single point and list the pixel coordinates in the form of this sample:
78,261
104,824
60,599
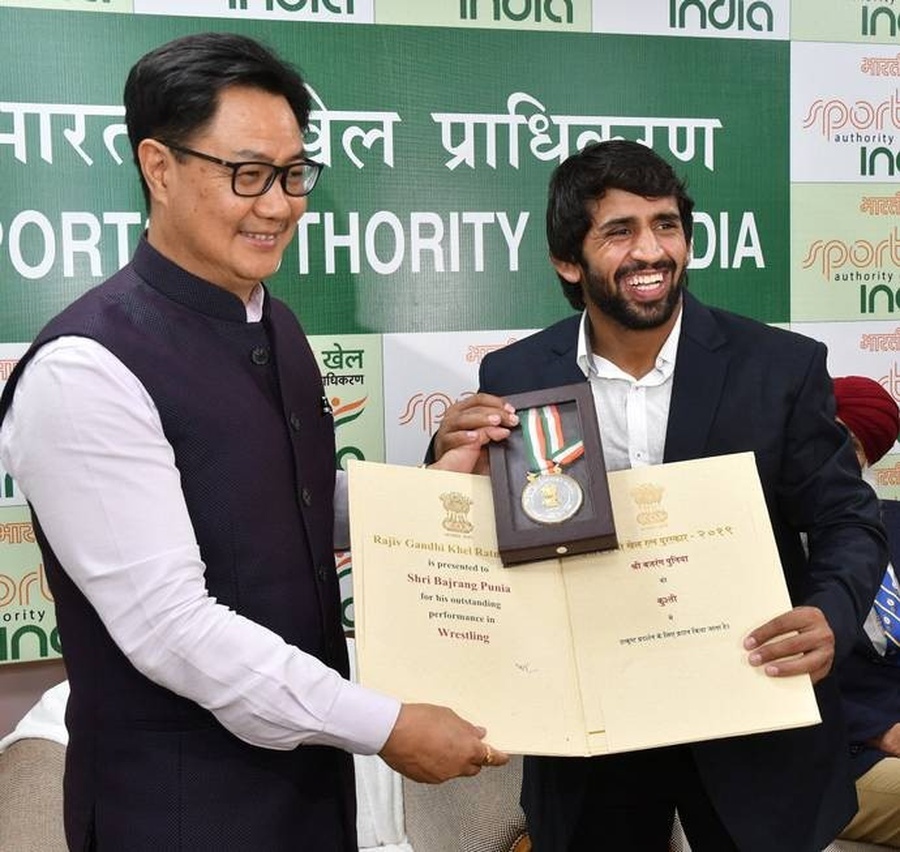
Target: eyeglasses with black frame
250,179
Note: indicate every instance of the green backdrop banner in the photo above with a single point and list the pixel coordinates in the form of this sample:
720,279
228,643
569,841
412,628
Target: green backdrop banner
430,214
440,124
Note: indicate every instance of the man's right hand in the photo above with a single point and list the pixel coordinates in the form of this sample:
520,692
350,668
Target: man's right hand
432,744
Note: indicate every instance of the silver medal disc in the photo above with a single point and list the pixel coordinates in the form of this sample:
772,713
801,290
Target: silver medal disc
551,498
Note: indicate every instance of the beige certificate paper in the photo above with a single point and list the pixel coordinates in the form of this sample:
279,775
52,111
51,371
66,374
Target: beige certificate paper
607,652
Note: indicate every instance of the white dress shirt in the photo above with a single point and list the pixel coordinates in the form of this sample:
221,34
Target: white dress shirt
84,441
632,413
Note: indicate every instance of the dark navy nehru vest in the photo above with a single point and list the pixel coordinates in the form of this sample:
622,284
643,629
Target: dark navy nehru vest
242,406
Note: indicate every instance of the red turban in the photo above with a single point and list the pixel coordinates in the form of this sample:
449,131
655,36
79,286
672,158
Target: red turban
869,412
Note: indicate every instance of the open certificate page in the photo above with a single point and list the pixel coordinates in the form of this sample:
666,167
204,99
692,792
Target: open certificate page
612,651
439,619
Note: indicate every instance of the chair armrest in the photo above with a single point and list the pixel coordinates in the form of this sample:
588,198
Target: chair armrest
31,790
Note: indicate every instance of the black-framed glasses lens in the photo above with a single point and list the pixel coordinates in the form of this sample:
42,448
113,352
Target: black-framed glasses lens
297,179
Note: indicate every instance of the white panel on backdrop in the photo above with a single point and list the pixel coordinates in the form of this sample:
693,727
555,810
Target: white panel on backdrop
845,101
761,19
424,374
869,349
334,11
860,349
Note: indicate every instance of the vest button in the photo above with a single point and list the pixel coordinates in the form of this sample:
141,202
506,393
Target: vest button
322,573
306,496
294,420
260,355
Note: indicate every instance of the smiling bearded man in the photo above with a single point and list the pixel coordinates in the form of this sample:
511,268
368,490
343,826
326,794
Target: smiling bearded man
673,379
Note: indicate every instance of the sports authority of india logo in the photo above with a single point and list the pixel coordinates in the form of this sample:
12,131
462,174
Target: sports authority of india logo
457,507
648,498
347,412
344,413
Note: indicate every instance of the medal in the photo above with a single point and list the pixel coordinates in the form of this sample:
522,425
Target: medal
549,496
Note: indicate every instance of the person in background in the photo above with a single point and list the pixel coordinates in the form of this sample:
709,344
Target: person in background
672,380
869,678
172,436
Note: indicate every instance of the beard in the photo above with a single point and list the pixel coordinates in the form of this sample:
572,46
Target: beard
634,315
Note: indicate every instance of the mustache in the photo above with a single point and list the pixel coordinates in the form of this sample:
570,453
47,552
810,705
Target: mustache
635,268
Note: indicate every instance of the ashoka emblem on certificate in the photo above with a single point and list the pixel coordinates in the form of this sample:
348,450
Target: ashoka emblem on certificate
457,507
648,499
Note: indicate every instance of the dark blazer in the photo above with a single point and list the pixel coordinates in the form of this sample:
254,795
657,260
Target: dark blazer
870,684
740,385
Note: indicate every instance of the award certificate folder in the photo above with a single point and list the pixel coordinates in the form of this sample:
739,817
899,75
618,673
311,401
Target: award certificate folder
590,654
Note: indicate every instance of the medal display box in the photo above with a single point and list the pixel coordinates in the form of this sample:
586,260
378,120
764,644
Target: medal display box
551,495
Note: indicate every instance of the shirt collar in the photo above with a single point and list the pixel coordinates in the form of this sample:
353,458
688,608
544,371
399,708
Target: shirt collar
665,360
255,303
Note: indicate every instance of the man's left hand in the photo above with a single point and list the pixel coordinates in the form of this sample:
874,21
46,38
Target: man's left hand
797,642
889,741
466,429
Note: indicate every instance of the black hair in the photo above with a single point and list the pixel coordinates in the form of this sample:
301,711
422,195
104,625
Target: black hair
173,91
